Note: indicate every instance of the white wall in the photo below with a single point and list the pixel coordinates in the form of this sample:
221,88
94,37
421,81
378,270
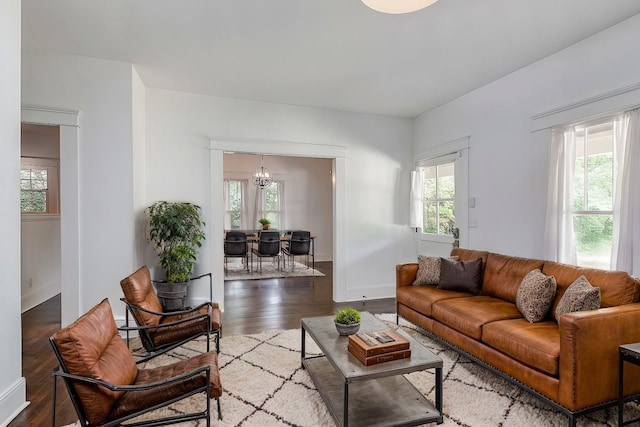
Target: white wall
308,193
508,162
102,91
12,384
379,159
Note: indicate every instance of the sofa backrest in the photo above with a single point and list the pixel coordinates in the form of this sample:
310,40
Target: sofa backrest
616,287
503,275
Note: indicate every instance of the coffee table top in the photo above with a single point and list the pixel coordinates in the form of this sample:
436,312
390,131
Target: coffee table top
334,346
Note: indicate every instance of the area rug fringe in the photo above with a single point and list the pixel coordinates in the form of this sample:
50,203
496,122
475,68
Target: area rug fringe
264,385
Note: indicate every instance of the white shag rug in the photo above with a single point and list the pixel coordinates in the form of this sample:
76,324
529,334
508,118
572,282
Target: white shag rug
264,385
237,271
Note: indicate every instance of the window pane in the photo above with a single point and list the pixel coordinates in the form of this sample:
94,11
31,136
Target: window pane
235,196
430,220
33,201
430,182
235,220
271,201
446,181
600,177
578,185
594,234
446,217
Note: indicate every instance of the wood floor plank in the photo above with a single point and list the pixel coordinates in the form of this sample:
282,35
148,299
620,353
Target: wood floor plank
251,306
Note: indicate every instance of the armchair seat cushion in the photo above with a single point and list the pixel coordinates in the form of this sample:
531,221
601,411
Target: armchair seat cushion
197,326
132,402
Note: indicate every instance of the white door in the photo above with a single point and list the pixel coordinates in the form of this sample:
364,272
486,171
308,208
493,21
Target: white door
438,243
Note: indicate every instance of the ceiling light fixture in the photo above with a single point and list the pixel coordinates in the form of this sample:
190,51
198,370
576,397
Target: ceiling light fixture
397,7
262,178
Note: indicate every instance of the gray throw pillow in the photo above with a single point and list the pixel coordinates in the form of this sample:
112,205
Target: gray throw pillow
428,270
463,276
535,295
579,296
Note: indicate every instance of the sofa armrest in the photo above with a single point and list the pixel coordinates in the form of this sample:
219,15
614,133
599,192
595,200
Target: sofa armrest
589,343
406,273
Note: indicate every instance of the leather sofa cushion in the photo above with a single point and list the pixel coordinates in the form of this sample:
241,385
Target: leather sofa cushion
468,315
616,287
138,290
503,275
470,255
91,347
422,298
534,344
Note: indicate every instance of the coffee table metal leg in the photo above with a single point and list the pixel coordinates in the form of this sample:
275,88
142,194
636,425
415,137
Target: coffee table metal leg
346,405
302,350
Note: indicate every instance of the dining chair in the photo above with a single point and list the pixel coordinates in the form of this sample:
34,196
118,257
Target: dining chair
299,244
108,388
268,247
235,246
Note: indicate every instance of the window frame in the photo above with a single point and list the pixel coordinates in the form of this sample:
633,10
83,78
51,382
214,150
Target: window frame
227,212
278,184
52,193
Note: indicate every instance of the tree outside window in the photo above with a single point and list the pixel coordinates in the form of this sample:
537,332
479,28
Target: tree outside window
439,198
39,186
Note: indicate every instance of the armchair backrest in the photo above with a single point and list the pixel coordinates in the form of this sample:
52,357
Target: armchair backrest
92,347
269,243
300,243
138,290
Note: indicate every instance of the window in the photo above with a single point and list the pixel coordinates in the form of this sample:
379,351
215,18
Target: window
39,186
234,195
593,194
272,203
439,198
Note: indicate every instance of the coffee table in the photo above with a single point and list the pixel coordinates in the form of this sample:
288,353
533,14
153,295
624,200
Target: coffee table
376,395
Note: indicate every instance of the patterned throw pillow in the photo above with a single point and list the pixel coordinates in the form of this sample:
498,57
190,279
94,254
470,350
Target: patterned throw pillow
428,270
535,295
579,296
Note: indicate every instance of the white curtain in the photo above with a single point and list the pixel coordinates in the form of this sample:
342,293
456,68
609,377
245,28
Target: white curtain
626,214
559,241
256,213
415,201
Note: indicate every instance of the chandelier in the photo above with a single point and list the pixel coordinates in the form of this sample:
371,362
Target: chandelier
262,178
398,6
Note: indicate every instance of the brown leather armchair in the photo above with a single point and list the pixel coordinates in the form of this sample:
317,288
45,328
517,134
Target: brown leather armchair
162,331
106,386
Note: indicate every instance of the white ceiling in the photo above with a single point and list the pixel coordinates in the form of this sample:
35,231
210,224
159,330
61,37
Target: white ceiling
334,54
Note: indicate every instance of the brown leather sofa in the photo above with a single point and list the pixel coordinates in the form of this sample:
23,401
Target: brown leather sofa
573,364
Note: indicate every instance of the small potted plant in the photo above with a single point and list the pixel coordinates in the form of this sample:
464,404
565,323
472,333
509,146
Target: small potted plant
347,321
265,223
177,231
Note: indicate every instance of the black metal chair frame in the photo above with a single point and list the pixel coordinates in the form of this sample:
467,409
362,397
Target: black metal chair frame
268,240
143,330
244,255
290,248
69,380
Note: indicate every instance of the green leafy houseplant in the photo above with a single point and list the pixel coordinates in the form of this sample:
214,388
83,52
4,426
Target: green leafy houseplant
347,316
177,231
265,223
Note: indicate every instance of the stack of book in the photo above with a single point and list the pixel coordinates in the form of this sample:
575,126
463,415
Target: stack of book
371,348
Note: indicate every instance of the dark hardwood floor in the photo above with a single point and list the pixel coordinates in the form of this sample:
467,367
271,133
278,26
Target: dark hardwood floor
251,306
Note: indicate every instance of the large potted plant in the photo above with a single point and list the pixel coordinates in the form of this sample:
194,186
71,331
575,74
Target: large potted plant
176,231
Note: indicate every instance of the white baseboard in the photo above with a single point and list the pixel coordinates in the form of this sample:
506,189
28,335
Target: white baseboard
362,293
40,295
13,401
